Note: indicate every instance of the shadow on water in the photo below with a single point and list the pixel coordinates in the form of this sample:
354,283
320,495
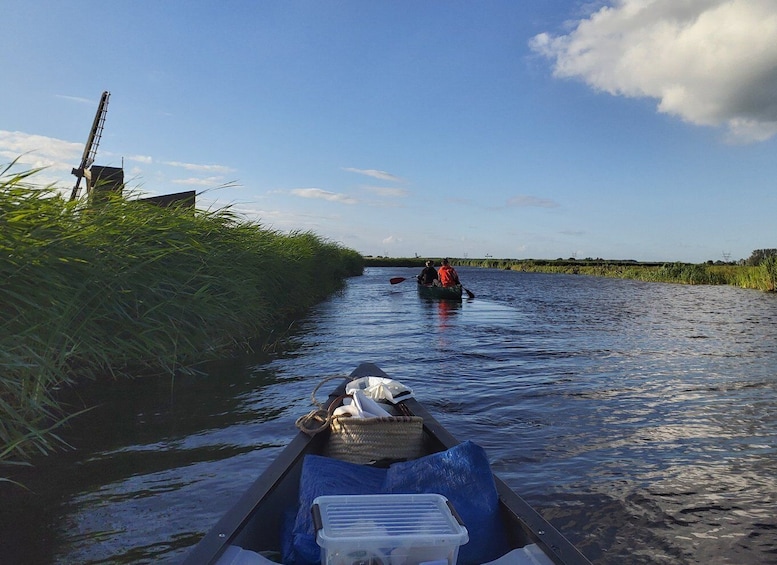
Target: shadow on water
131,448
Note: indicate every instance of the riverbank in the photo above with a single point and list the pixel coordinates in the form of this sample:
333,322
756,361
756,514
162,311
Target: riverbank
758,277
124,289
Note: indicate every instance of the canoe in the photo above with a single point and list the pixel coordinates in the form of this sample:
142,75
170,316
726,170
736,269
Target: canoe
250,531
440,292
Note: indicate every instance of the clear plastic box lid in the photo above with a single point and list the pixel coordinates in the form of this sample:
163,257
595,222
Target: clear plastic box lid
400,518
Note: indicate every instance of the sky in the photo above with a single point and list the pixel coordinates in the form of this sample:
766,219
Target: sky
531,129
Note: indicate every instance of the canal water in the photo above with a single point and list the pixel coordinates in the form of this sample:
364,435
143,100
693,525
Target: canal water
639,418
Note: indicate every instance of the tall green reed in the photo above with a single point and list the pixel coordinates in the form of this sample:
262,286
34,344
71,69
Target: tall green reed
121,287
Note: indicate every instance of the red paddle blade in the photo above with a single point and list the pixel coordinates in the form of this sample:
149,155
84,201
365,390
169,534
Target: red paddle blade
397,280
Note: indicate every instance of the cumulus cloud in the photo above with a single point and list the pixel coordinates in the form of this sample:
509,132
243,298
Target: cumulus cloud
382,175
526,201
58,157
324,195
55,156
708,62
39,151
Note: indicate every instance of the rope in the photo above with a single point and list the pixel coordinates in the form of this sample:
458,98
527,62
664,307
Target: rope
318,419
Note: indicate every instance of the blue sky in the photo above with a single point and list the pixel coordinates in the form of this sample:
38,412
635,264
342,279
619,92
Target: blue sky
631,129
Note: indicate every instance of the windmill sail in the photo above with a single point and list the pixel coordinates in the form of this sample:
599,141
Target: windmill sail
90,150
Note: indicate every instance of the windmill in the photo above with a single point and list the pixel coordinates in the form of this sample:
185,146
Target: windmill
90,150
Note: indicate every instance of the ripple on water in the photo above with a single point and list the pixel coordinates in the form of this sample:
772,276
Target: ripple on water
640,419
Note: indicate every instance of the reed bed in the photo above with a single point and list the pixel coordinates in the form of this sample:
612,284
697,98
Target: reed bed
759,277
762,276
122,288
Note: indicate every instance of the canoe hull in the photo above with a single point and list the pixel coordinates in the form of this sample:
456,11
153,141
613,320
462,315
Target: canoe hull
254,522
440,292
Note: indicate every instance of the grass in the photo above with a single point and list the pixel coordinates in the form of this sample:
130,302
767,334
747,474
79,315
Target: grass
123,288
753,277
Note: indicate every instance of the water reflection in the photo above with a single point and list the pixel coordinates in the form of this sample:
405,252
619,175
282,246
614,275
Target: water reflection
446,309
621,410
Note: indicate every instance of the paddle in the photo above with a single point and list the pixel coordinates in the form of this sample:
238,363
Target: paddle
469,292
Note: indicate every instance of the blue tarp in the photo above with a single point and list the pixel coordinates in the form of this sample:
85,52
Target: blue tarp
462,474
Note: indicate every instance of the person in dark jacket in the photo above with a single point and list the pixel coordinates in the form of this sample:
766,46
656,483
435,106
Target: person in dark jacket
429,274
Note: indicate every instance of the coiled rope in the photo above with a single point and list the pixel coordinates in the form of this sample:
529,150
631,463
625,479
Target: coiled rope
318,419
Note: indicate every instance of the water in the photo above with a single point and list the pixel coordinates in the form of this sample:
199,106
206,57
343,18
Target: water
640,419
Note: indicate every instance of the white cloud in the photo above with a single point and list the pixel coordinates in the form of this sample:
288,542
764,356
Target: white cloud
210,181
324,195
39,151
78,99
382,175
391,240
58,157
199,168
709,62
141,159
387,191
526,201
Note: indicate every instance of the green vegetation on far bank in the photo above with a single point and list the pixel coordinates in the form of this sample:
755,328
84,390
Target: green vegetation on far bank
759,272
124,288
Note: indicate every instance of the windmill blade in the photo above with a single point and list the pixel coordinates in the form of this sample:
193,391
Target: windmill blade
90,149
76,188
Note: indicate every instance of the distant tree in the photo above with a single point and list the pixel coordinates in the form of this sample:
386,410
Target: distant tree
760,255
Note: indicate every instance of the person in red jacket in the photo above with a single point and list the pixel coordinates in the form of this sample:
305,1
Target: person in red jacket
448,275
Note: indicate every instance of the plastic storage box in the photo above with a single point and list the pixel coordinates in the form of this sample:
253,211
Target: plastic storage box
387,529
